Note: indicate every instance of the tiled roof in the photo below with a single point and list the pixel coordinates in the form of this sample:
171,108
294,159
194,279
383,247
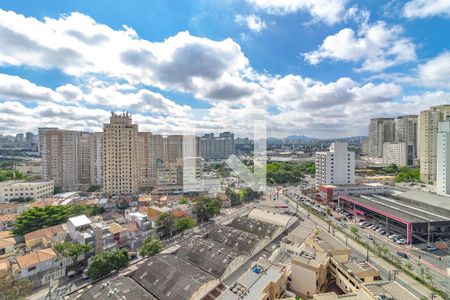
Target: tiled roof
115,228
7,242
5,234
45,232
8,218
131,227
35,257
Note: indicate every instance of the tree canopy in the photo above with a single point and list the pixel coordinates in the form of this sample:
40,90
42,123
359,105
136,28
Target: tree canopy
184,223
408,175
49,215
74,250
288,172
234,197
206,207
108,261
14,175
151,246
167,222
13,288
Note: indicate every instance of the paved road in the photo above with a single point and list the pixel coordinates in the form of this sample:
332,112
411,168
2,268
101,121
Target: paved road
360,252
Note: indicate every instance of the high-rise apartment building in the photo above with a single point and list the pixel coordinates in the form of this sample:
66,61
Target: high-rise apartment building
96,158
381,130
120,165
85,157
60,151
144,159
402,129
336,166
398,153
443,159
428,128
221,147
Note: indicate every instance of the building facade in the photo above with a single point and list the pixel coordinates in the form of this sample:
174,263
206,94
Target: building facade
336,166
443,159
20,189
428,127
213,147
398,153
381,130
120,143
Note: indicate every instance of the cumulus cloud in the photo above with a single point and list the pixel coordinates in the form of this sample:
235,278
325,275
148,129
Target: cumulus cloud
118,70
426,8
254,23
378,46
16,88
435,72
327,11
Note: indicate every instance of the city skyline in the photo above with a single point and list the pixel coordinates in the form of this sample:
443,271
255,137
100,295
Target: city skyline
69,64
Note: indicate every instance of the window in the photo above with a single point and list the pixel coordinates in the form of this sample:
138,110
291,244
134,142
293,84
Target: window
31,268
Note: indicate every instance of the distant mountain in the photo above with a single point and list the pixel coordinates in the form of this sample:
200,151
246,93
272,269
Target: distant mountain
300,138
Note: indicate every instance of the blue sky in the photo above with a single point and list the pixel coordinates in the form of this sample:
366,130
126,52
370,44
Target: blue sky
315,67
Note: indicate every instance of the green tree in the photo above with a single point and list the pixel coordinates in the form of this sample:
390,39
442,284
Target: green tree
184,223
150,247
206,208
106,262
354,230
73,250
247,194
93,188
42,217
183,200
234,197
167,222
10,175
12,288
57,190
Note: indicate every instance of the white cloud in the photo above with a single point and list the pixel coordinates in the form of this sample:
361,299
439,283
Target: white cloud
254,23
327,11
16,88
116,69
426,8
435,72
377,46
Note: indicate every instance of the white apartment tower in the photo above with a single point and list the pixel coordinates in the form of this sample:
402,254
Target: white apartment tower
96,158
60,151
336,166
381,130
443,159
120,150
428,129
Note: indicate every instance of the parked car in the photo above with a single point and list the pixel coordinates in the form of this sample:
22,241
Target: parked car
402,254
400,241
368,236
431,248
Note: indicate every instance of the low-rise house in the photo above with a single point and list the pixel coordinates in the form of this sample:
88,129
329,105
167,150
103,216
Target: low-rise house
119,233
7,243
12,208
46,236
7,221
104,239
41,266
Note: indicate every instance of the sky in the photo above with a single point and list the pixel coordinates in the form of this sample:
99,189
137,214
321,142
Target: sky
319,68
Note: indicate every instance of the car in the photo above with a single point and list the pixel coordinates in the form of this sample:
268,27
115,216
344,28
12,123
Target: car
400,241
402,254
393,237
382,232
431,248
368,236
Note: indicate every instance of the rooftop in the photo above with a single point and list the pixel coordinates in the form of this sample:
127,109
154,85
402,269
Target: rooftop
253,282
428,199
360,268
35,257
123,288
256,227
80,220
271,217
46,232
170,277
396,208
390,289
207,255
236,239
